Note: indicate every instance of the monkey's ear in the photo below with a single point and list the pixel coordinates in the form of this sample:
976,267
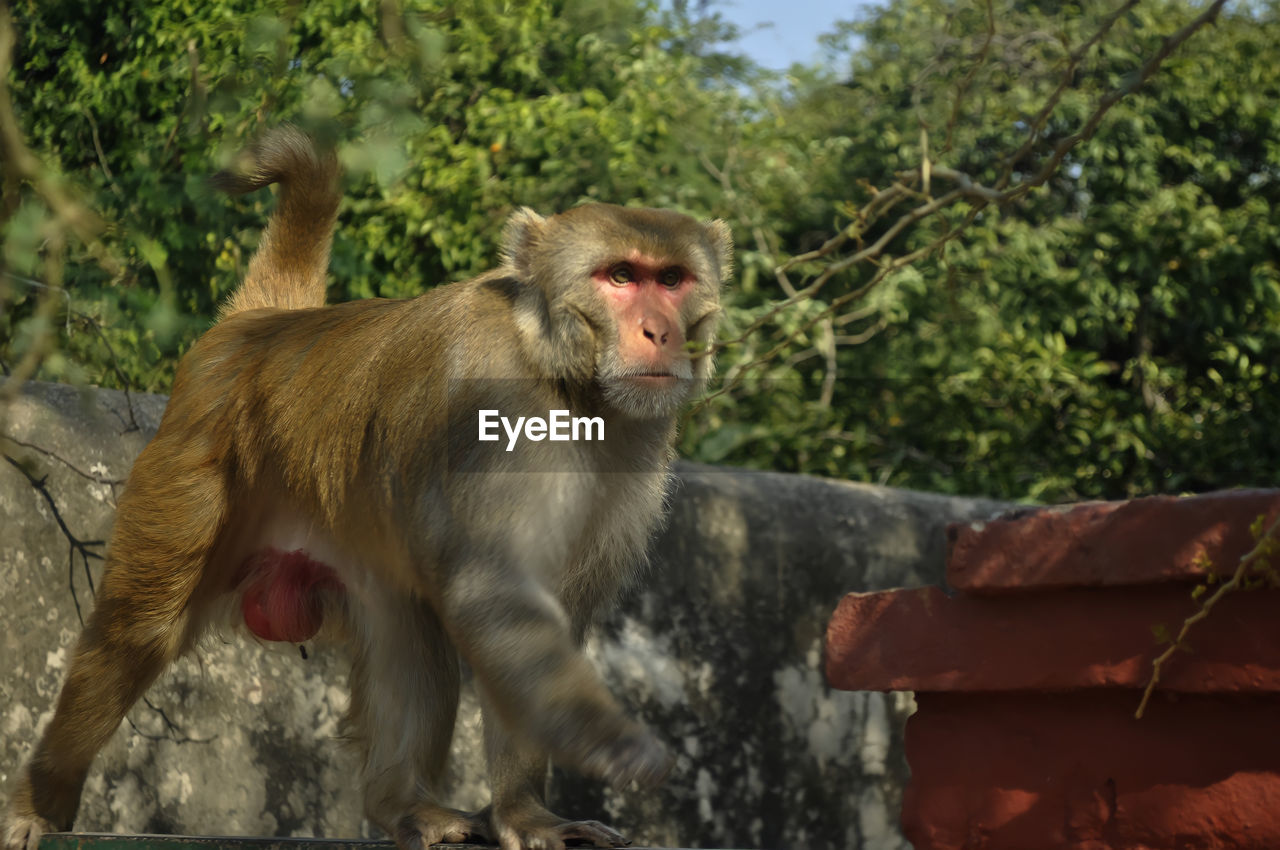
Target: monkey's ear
519,238
721,238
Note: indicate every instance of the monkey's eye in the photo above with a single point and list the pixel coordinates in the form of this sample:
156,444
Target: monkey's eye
671,277
621,274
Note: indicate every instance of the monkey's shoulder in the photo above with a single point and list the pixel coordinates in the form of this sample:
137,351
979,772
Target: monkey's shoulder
480,318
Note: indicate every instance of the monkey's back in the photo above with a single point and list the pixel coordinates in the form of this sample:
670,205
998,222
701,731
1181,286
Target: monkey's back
374,396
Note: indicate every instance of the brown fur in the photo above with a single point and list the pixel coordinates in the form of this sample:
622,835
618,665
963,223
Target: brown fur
288,269
350,432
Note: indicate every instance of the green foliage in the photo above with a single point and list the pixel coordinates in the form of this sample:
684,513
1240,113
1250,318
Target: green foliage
1113,334
449,116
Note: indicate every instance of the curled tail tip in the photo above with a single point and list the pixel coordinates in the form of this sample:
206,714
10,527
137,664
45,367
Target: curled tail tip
282,155
288,269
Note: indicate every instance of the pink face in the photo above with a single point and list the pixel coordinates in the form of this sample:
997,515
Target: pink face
645,295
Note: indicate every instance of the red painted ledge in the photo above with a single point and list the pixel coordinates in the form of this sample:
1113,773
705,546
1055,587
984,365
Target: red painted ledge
922,640
1143,541
1039,771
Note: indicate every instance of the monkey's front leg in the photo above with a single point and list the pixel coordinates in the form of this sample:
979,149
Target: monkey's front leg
404,695
517,639
519,815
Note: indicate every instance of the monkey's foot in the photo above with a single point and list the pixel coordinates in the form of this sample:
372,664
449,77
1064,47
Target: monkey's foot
430,824
532,827
22,832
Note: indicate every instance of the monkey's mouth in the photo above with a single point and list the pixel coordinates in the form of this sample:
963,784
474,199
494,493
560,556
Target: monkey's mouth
660,379
658,372
652,381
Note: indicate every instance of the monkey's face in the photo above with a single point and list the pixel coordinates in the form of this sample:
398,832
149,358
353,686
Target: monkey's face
645,364
638,289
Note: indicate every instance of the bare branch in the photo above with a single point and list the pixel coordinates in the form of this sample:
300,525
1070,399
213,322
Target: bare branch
1068,76
76,546
52,455
966,189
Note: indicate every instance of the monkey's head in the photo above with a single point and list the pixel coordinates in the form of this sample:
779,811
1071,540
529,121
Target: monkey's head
627,298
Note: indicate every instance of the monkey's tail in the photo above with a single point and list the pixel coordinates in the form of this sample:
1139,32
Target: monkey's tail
288,269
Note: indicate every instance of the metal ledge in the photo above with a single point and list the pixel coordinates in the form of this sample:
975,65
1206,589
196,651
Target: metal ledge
110,841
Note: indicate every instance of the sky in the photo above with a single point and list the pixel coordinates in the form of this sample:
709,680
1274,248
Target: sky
795,27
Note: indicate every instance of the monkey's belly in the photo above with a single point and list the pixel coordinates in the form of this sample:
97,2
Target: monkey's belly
283,594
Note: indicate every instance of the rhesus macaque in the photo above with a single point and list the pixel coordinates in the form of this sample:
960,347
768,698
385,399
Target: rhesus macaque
323,461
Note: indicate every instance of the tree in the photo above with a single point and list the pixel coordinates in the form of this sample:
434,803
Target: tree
1106,335
448,115
1000,228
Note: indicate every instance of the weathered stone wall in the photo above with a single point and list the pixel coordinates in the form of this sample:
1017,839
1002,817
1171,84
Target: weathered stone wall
720,652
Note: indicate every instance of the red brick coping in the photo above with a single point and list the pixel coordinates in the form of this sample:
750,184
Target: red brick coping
1028,677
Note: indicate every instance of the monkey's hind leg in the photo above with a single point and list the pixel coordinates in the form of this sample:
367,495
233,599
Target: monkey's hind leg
404,699
166,528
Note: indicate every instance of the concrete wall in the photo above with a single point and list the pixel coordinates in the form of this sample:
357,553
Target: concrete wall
720,651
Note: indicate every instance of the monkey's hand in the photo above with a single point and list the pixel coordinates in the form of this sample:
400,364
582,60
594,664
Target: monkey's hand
634,756
526,825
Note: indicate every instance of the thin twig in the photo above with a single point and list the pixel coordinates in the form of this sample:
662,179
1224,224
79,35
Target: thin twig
966,82
94,477
173,732
102,155
1262,549
76,545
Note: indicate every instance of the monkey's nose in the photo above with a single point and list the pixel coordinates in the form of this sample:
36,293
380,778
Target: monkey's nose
655,338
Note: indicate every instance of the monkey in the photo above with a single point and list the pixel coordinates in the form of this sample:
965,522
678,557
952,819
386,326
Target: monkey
320,464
